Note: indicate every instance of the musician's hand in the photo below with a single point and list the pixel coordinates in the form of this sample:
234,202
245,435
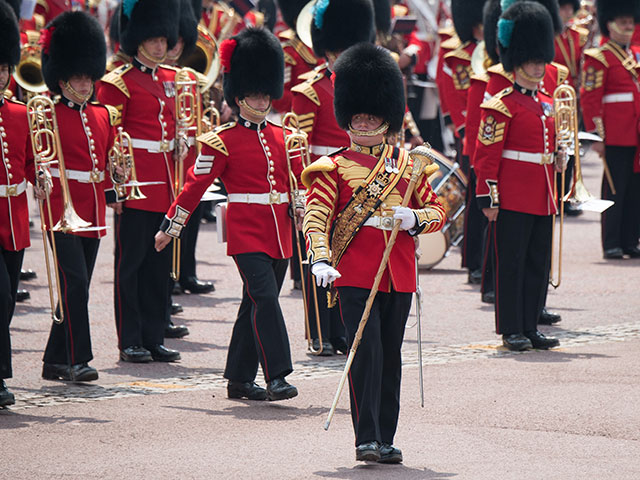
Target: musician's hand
299,218
44,184
491,213
416,141
598,147
560,164
406,217
324,273
183,150
116,206
39,192
162,240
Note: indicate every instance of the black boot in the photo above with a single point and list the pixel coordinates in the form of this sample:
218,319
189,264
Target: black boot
6,397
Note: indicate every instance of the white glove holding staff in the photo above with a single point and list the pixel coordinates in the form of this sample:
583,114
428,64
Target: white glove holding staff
406,216
324,273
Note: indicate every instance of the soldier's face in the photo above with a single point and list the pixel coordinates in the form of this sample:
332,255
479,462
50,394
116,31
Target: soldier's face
365,122
4,76
566,12
175,52
534,69
621,29
156,46
259,101
81,84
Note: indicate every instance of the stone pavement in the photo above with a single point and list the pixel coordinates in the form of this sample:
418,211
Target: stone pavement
566,414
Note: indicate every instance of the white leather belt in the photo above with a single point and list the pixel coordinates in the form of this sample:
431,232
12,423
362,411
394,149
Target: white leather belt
13,190
321,150
80,176
153,146
539,158
383,223
274,198
191,141
618,98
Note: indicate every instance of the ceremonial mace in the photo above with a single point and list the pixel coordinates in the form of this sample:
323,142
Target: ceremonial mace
421,156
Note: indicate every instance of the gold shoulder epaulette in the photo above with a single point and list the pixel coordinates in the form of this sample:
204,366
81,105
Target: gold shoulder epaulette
13,100
288,34
460,53
115,78
288,59
597,54
482,77
583,32
499,70
213,140
305,53
307,75
306,88
451,43
114,115
323,164
170,67
563,72
496,103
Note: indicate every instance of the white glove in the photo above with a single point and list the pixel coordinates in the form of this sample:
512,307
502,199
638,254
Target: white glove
406,216
324,273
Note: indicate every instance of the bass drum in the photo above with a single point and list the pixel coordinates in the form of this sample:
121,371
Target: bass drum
450,184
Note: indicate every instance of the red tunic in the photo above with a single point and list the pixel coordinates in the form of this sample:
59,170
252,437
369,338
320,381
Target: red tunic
248,159
475,97
569,45
146,102
443,72
457,83
17,166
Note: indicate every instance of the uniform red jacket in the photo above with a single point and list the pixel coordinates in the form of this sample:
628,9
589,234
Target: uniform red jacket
448,42
610,94
248,158
515,122
146,102
457,83
17,165
569,46
331,182
86,135
298,60
313,103
475,97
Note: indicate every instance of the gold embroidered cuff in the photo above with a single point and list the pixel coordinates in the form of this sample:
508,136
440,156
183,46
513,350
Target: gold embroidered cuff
317,248
425,217
176,223
599,126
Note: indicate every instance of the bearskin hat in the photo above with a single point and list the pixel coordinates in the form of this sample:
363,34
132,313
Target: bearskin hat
196,5
16,5
253,62
466,15
574,3
114,29
368,80
518,27
9,36
270,13
490,16
339,24
608,10
290,9
382,10
188,28
73,44
550,5
144,19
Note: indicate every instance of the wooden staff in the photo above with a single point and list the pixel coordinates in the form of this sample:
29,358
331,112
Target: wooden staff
420,156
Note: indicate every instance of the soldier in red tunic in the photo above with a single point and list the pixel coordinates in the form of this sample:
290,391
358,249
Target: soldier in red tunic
515,166
73,58
610,100
144,94
17,165
353,198
571,41
249,158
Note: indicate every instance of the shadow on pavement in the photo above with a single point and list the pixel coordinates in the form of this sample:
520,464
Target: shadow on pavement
264,410
369,471
15,420
158,370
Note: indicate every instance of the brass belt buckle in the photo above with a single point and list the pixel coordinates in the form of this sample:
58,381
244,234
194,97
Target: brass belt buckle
387,223
274,198
546,158
94,177
12,190
164,146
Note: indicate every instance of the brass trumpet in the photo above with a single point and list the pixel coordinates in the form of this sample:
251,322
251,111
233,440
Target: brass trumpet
28,73
121,155
296,145
47,151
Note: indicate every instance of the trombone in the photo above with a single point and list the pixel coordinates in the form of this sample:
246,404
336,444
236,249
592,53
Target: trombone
121,155
296,145
47,151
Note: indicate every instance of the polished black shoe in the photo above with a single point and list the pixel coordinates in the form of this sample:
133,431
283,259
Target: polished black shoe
368,452
548,318
538,340
571,210
297,284
248,390
193,285
6,397
175,331
160,353
340,345
489,297
613,253
279,389
208,216
176,308
26,275
633,252
516,342
22,295
390,454
177,289
327,348
475,277
135,355
80,372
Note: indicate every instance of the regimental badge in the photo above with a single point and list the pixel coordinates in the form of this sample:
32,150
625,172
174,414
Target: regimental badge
547,108
490,131
592,79
462,77
169,89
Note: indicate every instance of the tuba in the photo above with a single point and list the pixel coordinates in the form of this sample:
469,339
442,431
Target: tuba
296,145
28,73
204,59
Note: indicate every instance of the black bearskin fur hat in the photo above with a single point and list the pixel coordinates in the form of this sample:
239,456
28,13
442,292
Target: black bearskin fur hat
256,65
114,29
196,5
490,16
466,15
550,5
339,24
290,9
574,3
525,33
76,47
141,20
188,28
368,80
16,5
609,10
9,36
382,9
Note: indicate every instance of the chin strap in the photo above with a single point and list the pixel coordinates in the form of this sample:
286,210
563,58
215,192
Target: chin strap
75,93
254,111
381,130
143,51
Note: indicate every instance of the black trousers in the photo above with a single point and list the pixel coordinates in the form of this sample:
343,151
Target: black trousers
70,342
376,371
10,265
621,222
331,325
523,257
188,244
474,224
140,279
488,283
259,334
